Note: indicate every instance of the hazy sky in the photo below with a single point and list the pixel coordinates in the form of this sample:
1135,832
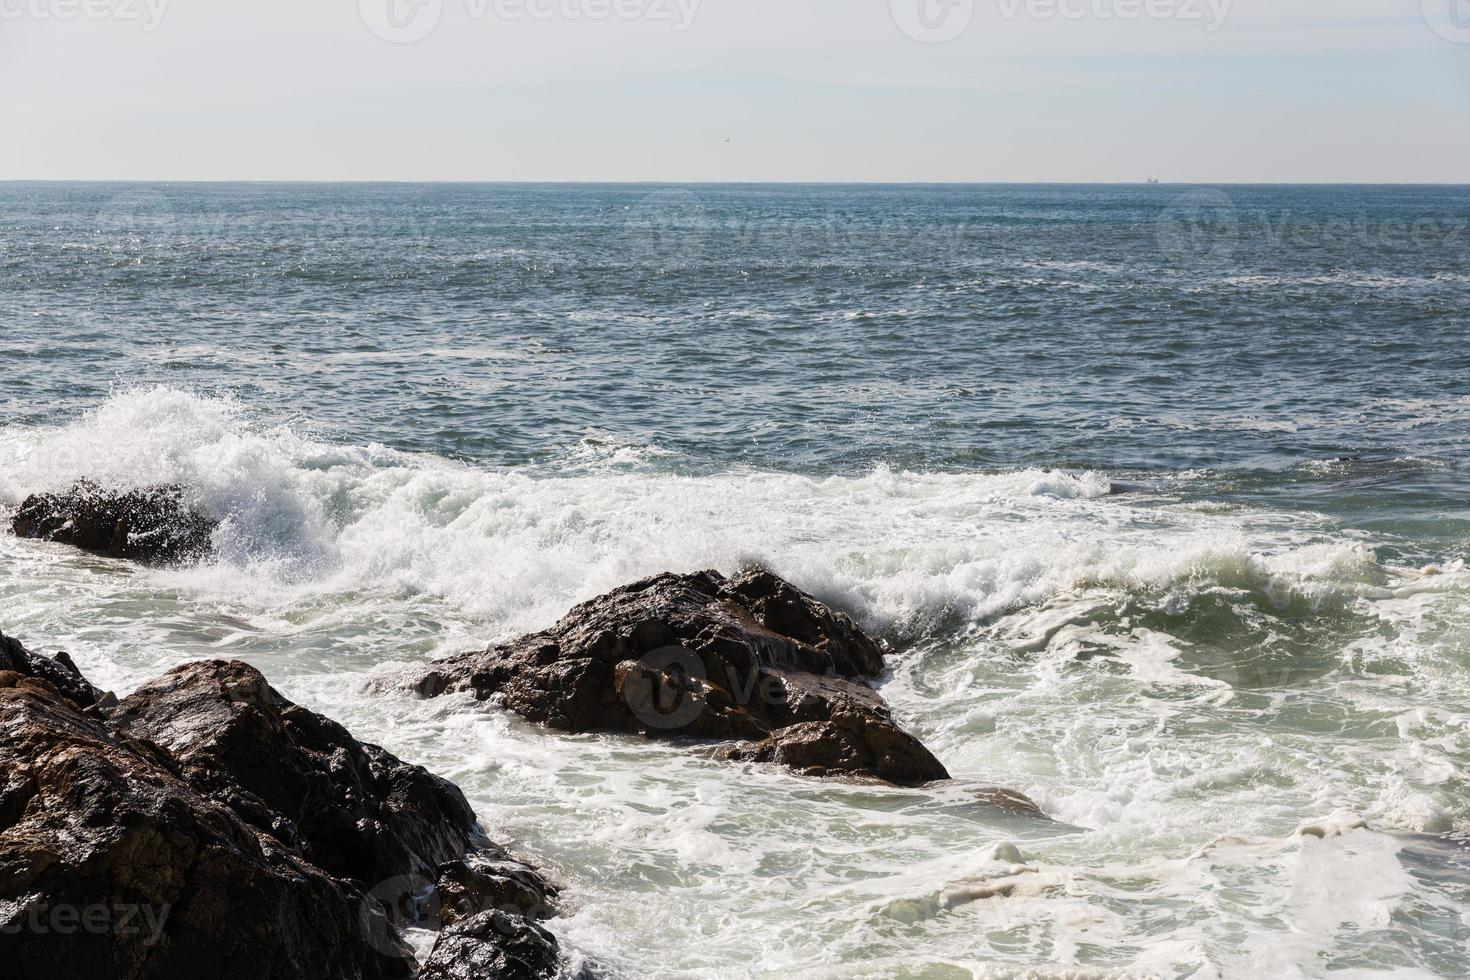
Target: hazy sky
905,90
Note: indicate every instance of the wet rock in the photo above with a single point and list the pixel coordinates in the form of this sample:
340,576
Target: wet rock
59,671
151,525
111,865
785,610
1008,800
263,838
489,880
851,742
1118,488
350,808
492,946
751,658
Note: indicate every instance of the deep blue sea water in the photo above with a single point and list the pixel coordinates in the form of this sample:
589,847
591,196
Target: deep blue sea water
1160,490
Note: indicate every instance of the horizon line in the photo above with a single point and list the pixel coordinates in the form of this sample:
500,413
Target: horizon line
1147,182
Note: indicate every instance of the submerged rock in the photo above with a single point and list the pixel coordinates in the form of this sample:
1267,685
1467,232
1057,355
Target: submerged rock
262,838
151,525
751,659
1008,800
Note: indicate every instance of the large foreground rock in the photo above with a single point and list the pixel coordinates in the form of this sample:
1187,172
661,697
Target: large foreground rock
152,525
350,808
112,866
750,659
262,839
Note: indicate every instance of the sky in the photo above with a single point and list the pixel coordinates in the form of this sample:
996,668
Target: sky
736,90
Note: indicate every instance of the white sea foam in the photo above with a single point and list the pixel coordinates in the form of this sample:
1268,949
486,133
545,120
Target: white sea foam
514,548
1058,650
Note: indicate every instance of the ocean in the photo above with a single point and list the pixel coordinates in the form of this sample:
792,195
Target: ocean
1158,491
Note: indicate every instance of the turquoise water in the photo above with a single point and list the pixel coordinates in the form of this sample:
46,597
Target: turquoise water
1158,490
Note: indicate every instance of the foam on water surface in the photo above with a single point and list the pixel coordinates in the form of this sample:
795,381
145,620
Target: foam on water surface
1186,685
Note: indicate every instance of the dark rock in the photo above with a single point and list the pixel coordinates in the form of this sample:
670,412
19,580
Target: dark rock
112,866
152,525
350,808
405,836
273,841
852,741
59,671
492,946
1118,489
750,658
785,610
489,880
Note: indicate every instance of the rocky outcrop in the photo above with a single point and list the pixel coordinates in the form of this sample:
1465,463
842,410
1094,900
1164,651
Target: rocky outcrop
350,808
492,946
261,838
151,525
59,671
490,880
750,659
111,865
